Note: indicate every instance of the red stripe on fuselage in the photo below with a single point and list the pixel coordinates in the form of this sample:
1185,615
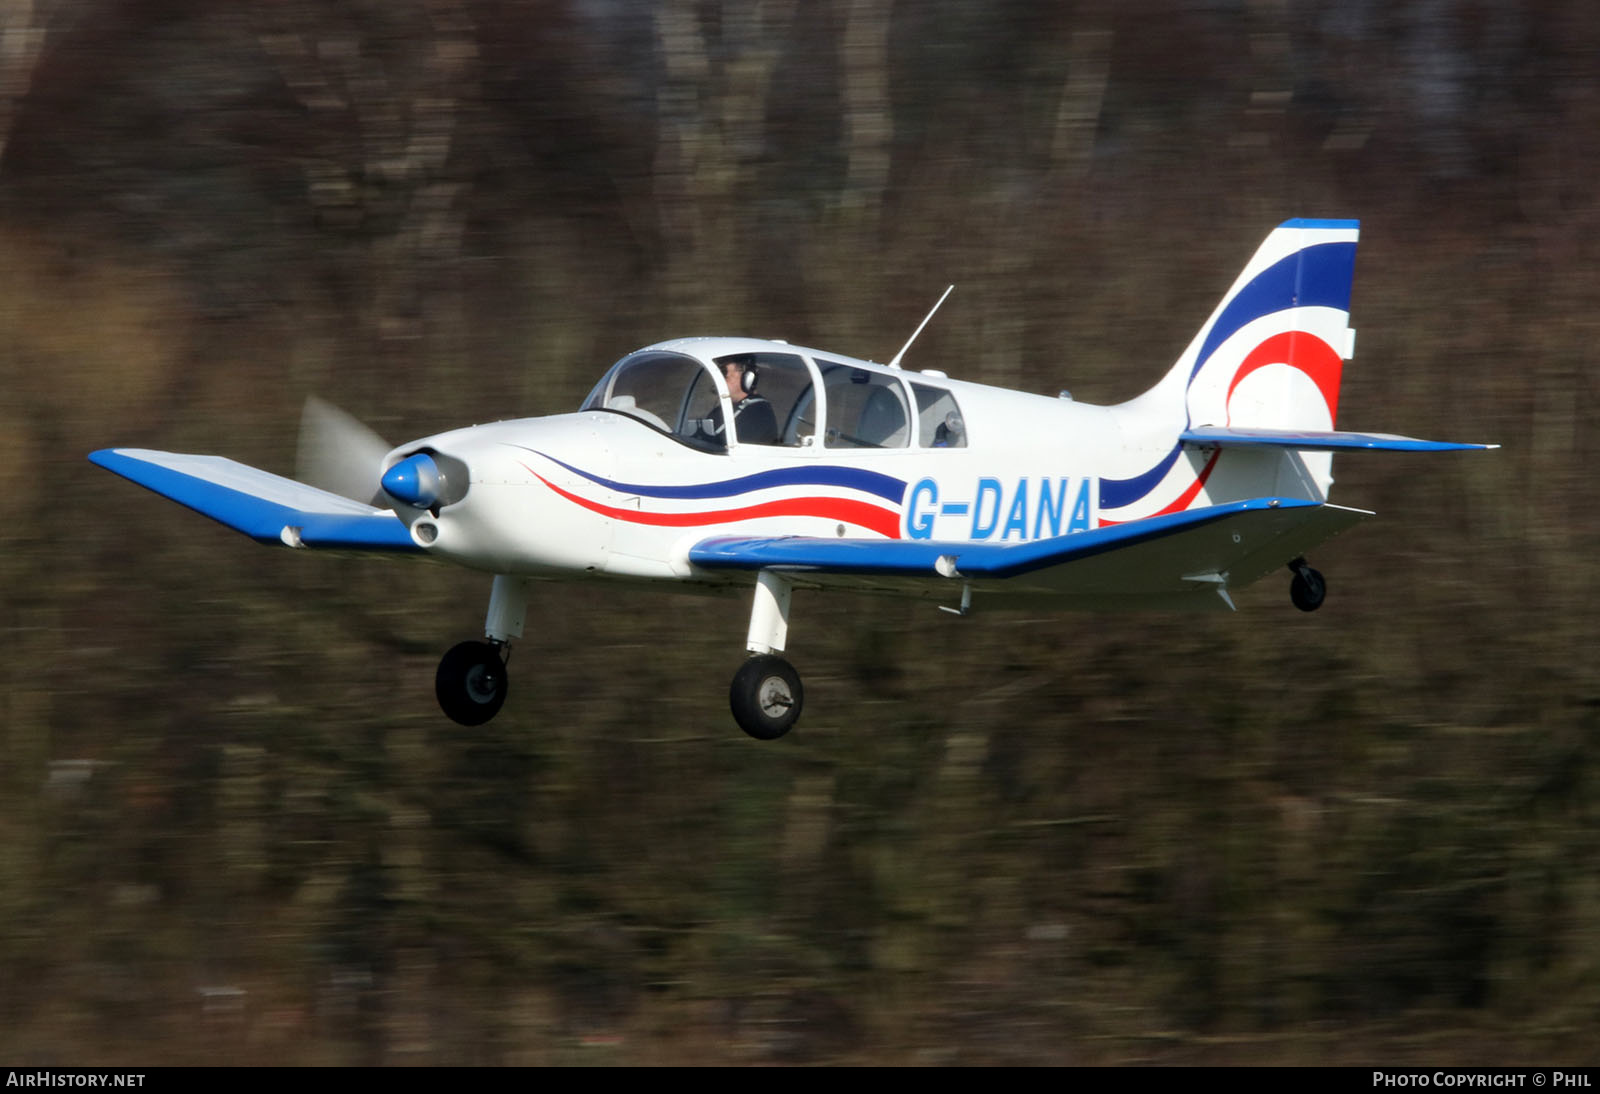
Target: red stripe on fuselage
872,517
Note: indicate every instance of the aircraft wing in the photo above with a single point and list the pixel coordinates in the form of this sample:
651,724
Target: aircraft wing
1307,440
268,508
1178,560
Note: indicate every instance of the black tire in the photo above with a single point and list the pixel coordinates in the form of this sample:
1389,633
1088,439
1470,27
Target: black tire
471,683
766,697
1307,589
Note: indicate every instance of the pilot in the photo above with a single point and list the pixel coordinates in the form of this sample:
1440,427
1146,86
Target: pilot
754,420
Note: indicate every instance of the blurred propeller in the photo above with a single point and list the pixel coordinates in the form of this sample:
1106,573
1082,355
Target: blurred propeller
339,454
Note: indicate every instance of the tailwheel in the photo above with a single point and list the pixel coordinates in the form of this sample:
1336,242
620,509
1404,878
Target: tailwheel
1307,588
766,697
471,682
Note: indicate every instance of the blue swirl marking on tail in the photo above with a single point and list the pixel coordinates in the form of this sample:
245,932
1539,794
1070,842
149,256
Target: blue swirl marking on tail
1315,277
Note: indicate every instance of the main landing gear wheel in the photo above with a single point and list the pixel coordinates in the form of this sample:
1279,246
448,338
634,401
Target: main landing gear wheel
766,697
1307,588
471,683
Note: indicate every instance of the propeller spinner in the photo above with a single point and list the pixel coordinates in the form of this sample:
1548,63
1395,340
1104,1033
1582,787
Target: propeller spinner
415,480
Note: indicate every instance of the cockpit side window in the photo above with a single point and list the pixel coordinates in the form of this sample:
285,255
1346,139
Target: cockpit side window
865,409
778,407
939,420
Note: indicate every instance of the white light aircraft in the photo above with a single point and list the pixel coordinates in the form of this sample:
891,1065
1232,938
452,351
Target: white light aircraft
735,463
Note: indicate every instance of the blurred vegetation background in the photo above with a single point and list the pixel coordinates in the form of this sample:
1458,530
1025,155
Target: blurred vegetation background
235,829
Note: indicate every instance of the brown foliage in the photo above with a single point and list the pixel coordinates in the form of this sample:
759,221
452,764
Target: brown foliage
232,826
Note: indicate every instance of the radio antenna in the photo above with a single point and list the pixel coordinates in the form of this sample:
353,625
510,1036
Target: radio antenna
895,363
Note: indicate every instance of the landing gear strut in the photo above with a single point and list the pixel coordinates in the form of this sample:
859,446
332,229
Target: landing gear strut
471,682
1307,588
766,695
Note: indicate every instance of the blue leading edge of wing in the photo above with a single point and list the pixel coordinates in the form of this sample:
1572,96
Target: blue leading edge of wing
259,504
919,558
1306,440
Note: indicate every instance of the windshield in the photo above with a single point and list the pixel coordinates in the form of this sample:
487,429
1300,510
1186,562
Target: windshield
667,391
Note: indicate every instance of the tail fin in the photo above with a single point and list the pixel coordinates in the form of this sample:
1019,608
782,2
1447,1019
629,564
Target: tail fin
1271,355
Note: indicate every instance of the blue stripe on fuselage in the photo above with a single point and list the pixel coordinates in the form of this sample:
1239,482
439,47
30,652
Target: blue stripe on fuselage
1116,493
870,482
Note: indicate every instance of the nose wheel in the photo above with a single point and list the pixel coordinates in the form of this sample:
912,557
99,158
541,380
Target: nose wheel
471,682
766,697
1307,589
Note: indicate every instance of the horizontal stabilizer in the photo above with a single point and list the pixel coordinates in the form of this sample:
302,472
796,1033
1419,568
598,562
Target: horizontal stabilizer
266,507
1143,559
1306,440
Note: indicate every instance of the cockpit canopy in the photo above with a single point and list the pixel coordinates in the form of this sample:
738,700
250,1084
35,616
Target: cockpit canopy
774,399
684,397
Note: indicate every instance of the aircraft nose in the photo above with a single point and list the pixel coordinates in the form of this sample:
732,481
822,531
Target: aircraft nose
415,480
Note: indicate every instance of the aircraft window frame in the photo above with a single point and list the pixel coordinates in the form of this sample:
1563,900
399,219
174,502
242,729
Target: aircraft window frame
859,437
932,411
805,413
704,401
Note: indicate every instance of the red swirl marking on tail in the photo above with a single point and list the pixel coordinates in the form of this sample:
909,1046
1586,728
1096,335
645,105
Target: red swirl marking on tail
1301,350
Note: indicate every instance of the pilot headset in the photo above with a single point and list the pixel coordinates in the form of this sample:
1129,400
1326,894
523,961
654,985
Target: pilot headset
748,375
